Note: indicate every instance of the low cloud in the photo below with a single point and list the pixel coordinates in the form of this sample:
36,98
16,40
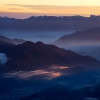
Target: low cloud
3,58
76,10
59,67
29,74
14,9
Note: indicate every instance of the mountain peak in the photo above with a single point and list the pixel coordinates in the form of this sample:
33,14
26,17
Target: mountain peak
28,55
28,43
40,43
83,37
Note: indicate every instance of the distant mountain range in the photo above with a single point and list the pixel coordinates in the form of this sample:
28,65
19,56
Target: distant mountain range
29,56
84,37
14,41
40,23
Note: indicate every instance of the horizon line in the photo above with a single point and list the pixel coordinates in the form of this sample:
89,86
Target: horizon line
69,15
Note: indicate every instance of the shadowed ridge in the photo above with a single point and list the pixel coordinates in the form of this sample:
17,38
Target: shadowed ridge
3,43
89,92
50,23
57,92
30,43
14,41
27,43
3,38
40,43
84,37
29,55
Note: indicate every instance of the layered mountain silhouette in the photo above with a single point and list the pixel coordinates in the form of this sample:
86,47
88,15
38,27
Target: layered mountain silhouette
84,37
29,56
50,23
14,41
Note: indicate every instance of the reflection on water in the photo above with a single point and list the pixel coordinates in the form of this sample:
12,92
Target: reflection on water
3,58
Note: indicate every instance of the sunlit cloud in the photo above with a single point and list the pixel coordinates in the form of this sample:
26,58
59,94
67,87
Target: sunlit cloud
59,67
54,2
29,74
24,11
50,9
14,9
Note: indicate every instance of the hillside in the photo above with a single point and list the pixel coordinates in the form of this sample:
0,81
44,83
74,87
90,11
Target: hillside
14,41
84,37
29,56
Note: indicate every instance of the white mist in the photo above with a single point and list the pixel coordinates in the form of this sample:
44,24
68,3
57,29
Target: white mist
3,58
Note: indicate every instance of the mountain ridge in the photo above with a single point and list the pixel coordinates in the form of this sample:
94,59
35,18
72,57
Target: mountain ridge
89,36
29,55
14,41
41,23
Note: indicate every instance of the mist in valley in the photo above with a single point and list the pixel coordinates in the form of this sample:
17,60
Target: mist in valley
44,36
20,84
53,54
48,37
91,50
3,58
25,83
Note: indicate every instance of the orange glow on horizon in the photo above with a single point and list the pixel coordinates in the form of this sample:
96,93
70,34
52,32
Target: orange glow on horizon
48,10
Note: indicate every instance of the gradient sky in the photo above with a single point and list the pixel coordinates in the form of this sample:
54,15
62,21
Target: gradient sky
26,8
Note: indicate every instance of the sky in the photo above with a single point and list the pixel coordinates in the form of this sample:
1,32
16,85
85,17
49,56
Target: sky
26,8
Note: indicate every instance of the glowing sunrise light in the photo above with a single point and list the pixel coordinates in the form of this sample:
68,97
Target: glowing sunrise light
48,7
59,67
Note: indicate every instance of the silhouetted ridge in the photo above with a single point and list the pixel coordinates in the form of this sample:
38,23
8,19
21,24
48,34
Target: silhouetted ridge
50,23
14,41
3,43
90,36
28,43
61,92
40,43
29,55
5,46
52,93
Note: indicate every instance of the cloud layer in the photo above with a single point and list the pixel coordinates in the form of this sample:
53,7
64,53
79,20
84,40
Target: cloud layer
43,74
49,10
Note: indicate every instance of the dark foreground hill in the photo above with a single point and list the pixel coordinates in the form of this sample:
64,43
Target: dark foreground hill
84,37
14,41
63,93
29,56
